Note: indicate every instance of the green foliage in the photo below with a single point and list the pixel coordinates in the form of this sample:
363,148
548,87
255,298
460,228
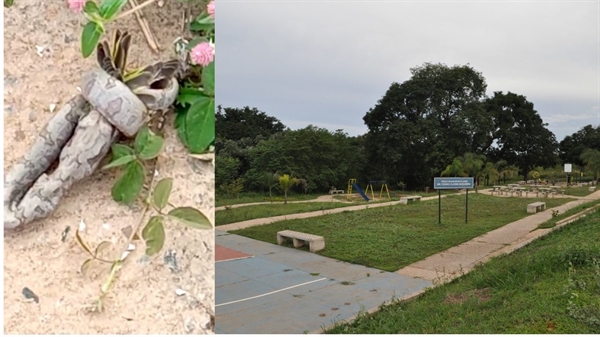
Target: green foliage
191,217
415,131
285,182
129,185
571,147
154,235
521,135
195,121
8,3
234,188
98,17
591,159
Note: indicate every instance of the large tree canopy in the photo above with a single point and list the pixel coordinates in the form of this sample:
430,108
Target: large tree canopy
419,126
520,134
571,147
235,124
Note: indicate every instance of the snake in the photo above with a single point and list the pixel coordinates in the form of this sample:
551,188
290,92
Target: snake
113,103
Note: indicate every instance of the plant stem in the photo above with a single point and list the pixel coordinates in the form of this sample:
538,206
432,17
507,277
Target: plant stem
134,9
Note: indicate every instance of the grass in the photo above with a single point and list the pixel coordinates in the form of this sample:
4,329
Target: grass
580,191
250,197
268,210
550,286
392,237
552,222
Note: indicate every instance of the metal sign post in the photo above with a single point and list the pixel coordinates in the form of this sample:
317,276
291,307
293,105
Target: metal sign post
452,183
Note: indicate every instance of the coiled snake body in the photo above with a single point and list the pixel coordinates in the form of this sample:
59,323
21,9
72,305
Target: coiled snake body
79,136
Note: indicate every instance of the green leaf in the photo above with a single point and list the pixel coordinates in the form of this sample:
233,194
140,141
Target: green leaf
89,38
109,8
91,8
119,162
200,124
162,191
128,186
141,139
189,95
120,150
191,217
8,3
208,78
202,23
152,147
180,124
154,235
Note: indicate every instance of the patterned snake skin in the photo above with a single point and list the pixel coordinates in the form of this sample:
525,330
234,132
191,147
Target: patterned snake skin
79,136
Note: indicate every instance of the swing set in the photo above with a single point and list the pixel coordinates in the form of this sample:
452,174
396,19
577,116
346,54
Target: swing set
384,187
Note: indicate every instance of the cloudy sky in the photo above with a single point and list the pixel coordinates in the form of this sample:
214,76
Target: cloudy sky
327,62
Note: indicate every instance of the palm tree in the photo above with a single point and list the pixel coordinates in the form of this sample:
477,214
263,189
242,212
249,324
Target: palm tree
285,182
489,171
271,179
469,165
455,169
591,158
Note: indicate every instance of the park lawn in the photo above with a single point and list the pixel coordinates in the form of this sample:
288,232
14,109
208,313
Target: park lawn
579,191
393,237
268,210
526,292
579,208
250,197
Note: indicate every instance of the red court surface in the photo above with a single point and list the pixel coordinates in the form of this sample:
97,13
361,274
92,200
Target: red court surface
226,254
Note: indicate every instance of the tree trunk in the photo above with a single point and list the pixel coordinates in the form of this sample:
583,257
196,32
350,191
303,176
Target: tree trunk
285,196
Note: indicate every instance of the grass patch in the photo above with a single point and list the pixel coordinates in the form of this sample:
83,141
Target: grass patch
250,197
579,191
550,286
268,210
390,238
552,222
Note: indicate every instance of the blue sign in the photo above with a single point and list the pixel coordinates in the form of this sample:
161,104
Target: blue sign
453,183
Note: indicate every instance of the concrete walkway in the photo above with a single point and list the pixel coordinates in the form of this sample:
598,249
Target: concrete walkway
283,311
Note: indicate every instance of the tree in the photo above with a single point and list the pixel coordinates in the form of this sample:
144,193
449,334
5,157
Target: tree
591,158
286,182
571,147
469,165
235,124
488,172
227,169
270,180
521,136
419,126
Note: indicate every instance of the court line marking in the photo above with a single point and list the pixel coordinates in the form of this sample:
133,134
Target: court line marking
272,292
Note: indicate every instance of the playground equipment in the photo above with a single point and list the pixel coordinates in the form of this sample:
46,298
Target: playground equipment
351,184
384,186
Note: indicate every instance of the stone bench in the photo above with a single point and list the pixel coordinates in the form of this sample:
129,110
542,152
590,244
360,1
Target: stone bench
410,199
315,242
591,188
337,192
536,207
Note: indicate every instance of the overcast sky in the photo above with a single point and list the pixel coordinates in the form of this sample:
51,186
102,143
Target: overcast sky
327,62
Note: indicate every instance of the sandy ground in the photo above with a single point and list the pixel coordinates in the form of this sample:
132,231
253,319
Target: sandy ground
143,300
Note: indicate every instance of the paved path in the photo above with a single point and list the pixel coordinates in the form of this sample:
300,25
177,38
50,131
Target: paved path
264,221
256,295
454,262
322,198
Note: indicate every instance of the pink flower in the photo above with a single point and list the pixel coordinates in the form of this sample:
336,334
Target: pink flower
203,53
211,9
76,5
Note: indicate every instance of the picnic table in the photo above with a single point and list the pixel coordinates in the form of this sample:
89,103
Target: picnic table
497,189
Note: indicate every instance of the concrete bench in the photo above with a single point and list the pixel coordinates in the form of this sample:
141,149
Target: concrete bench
410,199
315,242
337,192
536,207
591,188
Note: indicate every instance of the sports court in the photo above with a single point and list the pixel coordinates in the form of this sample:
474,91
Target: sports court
266,288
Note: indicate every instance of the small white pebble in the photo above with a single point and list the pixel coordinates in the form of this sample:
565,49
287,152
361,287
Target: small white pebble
124,255
81,225
131,247
40,50
78,89
161,3
180,292
52,107
155,173
105,226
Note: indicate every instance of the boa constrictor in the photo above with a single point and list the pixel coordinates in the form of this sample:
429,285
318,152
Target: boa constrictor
79,136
